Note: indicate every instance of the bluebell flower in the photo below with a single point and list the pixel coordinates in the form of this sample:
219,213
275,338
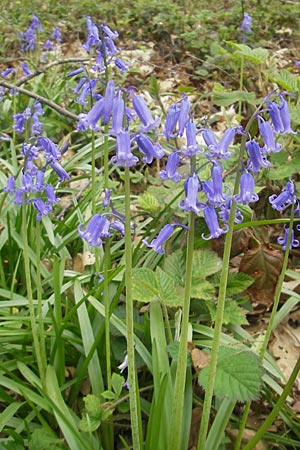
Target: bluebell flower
118,226
121,65
96,230
56,35
5,73
108,32
88,90
50,192
118,114
75,72
191,186
211,219
36,23
10,185
267,133
124,157
18,196
50,148
27,72
224,212
108,101
220,149
183,117
95,114
42,208
80,84
39,180
285,115
246,23
48,46
171,168
171,120
93,39
247,194
27,183
144,114
213,188
284,239
106,199
285,198
19,122
158,242
191,141
148,148
59,170
256,160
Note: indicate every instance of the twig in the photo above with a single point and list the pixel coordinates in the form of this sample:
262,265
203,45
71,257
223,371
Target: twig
41,99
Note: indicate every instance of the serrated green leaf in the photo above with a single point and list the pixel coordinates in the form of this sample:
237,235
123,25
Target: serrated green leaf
205,263
256,55
93,405
144,285
42,440
233,313
238,377
174,265
89,424
238,283
226,98
285,80
148,202
202,289
168,292
117,382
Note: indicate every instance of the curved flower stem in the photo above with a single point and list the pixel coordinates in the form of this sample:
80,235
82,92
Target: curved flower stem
178,399
133,385
34,331
270,326
275,411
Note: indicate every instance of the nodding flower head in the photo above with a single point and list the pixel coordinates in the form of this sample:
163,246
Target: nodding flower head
183,117
285,198
171,168
108,101
219,150
191,141
148,148
171,120
42,208
267,133
256,160
96,231
144,114
159,241
246,23
283,240
211,219
192,186
280,116
213,189
124,156
247,194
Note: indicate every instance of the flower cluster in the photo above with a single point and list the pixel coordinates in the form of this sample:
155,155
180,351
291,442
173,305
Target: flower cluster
246,25
39,153
101,40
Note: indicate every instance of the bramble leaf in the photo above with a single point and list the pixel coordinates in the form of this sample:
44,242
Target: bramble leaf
238,376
